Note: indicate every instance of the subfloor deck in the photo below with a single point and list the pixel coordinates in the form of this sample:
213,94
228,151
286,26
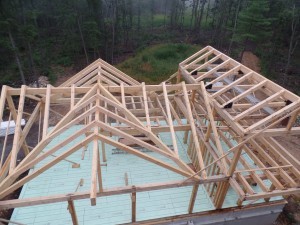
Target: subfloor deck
62,178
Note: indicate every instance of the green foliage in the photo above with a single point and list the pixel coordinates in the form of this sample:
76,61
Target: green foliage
155,64
253,24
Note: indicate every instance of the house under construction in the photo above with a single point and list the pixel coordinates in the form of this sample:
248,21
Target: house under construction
199,148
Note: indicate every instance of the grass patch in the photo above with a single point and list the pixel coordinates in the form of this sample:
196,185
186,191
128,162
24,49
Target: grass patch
157,63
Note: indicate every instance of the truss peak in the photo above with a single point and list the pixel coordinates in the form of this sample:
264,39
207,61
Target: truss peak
99,71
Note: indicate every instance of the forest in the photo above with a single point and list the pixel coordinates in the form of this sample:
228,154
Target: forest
43,37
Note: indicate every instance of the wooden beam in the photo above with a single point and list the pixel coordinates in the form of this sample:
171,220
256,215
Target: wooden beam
146,106
228,87
6,204
21,182
207,63
245,93
169,119
94,172
46,111
212,125
2,101
258,106
133,205
18,131
215,69
72,211
193,129
193,198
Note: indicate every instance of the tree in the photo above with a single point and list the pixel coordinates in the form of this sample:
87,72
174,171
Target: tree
253,25
294,15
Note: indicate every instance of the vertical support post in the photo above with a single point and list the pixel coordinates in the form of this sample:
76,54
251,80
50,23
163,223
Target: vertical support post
5,141
46,111
169,118
146,106
133,204
73,212
292,120
178,78
103,151
224,186
193,198
193,128
72,96
186,135
99,172
18,131
2,101
93,193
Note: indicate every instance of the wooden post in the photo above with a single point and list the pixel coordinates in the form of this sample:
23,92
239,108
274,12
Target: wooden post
178,78
103,151
133,205
18,131
193,198
46,111
73,212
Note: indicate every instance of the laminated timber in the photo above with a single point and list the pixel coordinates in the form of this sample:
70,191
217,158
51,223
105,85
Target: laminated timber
229,113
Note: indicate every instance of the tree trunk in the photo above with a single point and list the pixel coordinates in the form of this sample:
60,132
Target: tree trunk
201,15
17,57
292,45
234,27
113,32
83,43
165,12
32,63
207,11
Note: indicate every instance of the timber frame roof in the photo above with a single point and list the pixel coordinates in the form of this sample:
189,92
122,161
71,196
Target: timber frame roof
225,109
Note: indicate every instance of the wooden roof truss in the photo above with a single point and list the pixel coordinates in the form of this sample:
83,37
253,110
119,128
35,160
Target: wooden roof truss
229,113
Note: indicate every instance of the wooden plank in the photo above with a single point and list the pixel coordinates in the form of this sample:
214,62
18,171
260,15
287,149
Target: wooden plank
228,73
169,119
215,69
212,125
292,120
272,162
18,131
2,101
228,87
133,205
94,172
123,95
72,211
195,55
245,93
72,96
284,111
46,111
193,198
146,106
143,155
6,204
48,165
258,106
274,193
5,141
193,129
245,184
207,63
284,152
270,176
